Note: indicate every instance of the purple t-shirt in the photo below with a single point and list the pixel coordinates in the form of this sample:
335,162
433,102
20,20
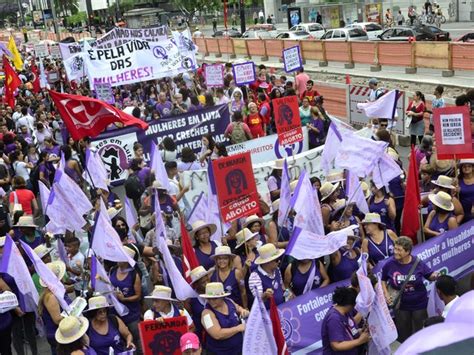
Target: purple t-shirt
338,327
415,296
164,108
55,150
316,138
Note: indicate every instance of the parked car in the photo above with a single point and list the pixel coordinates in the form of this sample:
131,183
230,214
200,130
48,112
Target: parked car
467,37
257,34
271,29
438,34
373,29
232,33
345,34
404,33
294,35
315,29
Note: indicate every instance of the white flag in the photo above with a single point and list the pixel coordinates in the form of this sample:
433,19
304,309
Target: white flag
385,170
354,192
285,195
384,107
96,173
366,295
258,337
158,167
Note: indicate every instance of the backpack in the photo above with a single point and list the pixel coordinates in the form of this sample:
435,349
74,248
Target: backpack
133,187
238,134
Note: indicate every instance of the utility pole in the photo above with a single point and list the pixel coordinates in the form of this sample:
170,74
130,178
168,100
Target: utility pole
22,14
242,17
53,13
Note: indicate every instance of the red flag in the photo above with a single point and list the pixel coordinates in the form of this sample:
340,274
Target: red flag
277,332
36,80
12,82
190,260
411,215
85,116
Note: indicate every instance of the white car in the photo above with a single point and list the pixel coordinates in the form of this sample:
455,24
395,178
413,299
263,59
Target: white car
345,34
373,29
294,35
315,29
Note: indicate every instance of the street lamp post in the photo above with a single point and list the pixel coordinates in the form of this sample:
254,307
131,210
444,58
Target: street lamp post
242,17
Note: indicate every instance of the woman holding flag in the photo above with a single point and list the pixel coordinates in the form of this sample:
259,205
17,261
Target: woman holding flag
344,261
382,203
379,241
441,218
204,247
305,275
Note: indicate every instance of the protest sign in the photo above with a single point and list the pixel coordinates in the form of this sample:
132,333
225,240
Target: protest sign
69,49
74,67
244,73
287,120
104,92
116,147
41,50
162,338
120,35
55,51
136,61
301,318
235,185
454,140
292,59
214,75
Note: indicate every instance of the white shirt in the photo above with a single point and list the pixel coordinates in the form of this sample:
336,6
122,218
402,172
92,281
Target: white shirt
255,282
448,307
150,316
21,169
27,121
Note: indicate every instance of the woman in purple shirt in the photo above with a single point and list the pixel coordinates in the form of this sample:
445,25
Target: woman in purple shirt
379,240
441,218
466,187
204,247
316,132
414,299
344,261
302,276
382,203
71,337
339,331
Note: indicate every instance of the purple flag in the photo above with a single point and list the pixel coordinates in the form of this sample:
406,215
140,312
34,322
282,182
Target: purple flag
44,195
67,203
181,288
355,193
49,278
385,170
331,147
62,252
306,205
14,265
100,282
285,195
156,164
366,295
130,214
96,173
105,240
160,228
435,303
213,214
5,50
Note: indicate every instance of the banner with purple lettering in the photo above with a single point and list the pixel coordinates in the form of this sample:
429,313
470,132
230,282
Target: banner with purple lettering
115,147
301,318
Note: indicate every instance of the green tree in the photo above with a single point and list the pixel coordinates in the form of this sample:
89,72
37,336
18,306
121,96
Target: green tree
66,8
190,7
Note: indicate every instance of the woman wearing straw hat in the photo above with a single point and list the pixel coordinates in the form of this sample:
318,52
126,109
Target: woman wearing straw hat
441,218
466,187
382,203
379,240
231,277
343,217
344,261
71,337
107,330
44,253
274,180
246,249
204,247
27,230
277,235
221,321
266,280
49,308
200,277
305,275
254,223
163,307
329,193
128,281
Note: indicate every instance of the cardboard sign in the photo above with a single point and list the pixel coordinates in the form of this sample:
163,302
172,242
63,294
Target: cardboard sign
162,338
214,75
104,92
55,51
287,120
244,73
235,185
292,59
453,132
41,50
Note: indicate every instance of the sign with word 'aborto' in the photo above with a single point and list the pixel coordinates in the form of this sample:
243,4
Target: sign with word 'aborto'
288,120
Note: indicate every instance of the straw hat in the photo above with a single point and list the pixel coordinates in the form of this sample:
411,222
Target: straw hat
336,176
215,290
268,252
372,218
327,189
365,189
440,165
251,219
42,250
71,329
293,185
278,165
58,268
442,200
199,272
443,181
2,241
26,222
97,302
198,225
161,293
466,161
393,153
130,252
275,205
243,236
339,204
223,250
112,212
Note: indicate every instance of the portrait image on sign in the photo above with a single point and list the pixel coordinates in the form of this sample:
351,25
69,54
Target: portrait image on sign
162,338
288,120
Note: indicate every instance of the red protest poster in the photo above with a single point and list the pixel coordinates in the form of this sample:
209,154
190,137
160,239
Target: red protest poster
235,185
453,132
162,338
287,120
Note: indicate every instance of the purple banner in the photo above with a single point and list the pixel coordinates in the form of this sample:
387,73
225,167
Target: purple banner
450,253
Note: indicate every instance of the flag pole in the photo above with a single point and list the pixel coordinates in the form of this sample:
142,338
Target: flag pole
422,232
349,201
394,110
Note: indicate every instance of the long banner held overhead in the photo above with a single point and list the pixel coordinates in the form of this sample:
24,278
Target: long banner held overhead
136,61
116,147
301,318
120,35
